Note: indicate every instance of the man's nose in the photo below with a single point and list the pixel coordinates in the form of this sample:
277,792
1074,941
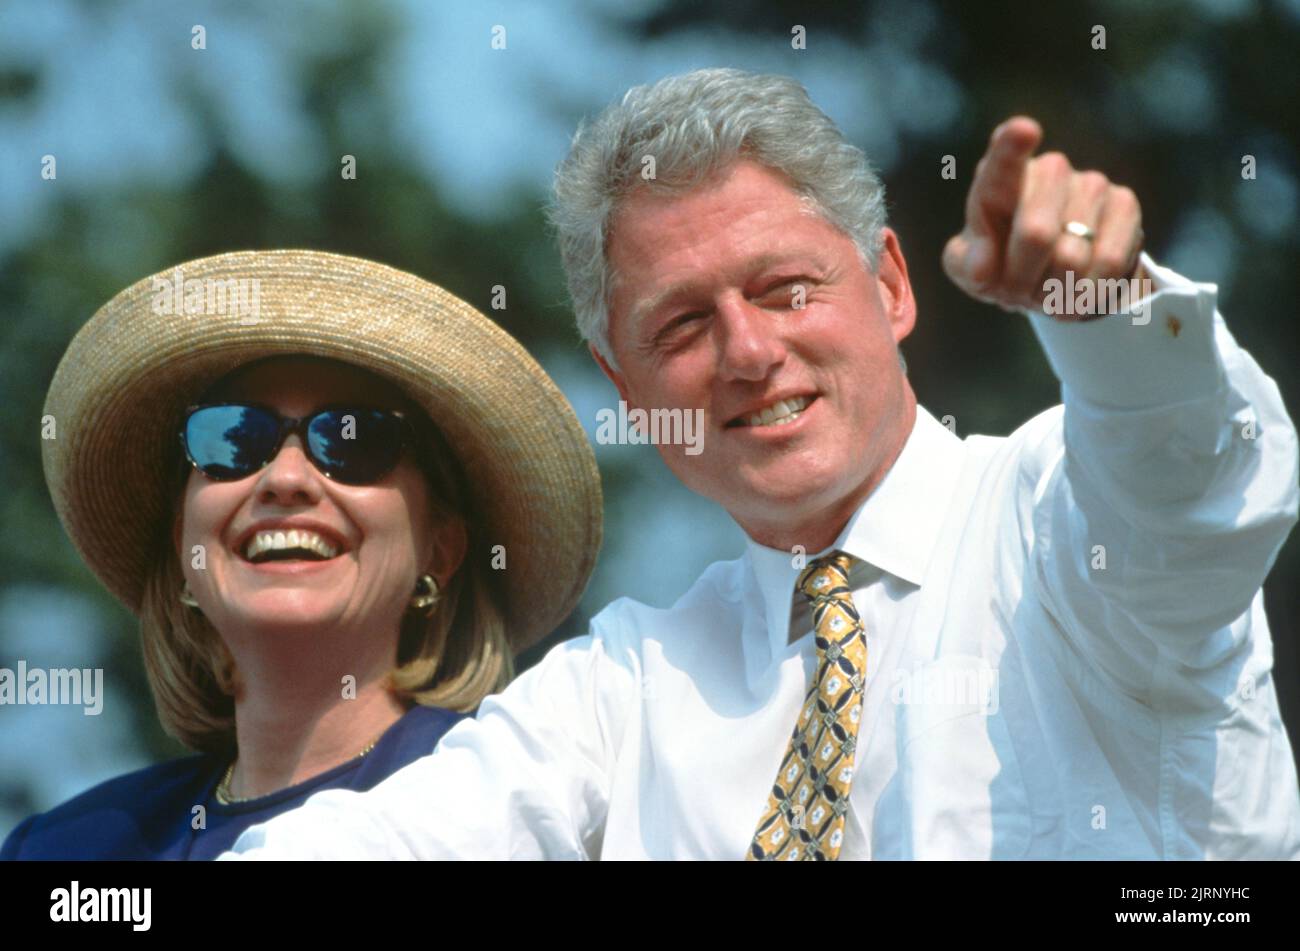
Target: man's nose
290,476
751,345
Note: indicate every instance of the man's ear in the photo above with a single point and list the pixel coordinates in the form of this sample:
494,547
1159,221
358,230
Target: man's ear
895,287
615,377
450,542
620,384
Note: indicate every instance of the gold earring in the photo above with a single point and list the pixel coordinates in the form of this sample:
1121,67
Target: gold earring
426,599
187,597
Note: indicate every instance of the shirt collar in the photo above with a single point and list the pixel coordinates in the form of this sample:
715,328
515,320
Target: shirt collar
895,528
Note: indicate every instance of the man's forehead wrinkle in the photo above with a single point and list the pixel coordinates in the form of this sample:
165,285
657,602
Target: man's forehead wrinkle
728,204
758,261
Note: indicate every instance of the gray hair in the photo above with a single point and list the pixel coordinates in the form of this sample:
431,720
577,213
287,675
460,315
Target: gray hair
695,125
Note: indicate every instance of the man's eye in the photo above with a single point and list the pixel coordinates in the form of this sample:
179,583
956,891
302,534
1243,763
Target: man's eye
674,324
680,321
792,292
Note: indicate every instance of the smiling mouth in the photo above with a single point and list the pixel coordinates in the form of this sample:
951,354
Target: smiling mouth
780,413
294,545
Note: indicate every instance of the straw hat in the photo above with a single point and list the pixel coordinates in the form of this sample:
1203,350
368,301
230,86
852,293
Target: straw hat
119,391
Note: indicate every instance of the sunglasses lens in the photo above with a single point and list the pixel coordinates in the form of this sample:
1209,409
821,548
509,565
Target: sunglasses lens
230,442
355,446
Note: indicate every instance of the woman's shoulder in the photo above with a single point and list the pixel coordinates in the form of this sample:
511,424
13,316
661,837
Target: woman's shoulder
410,738
431,719
422,727
117,817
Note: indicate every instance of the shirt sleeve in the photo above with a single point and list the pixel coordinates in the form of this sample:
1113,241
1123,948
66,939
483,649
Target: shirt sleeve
526,778
1173,488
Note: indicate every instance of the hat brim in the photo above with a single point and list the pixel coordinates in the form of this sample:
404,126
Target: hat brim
117,394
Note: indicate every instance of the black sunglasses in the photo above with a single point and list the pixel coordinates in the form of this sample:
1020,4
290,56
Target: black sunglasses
355,445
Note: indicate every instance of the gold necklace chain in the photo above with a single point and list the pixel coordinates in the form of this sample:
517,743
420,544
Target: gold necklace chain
223,788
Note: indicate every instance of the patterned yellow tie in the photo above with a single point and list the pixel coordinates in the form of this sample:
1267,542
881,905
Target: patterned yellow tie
804,818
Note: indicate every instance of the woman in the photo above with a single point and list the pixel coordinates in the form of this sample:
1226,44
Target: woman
325,580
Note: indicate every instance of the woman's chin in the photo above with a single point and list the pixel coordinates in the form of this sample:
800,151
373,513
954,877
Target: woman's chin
287,611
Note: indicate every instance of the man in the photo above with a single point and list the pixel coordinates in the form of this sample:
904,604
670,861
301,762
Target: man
1051,645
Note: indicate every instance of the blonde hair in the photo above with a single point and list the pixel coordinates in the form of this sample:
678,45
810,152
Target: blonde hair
453,658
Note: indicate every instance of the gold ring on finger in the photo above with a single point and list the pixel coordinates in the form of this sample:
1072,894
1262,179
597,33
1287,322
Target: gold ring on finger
1079,230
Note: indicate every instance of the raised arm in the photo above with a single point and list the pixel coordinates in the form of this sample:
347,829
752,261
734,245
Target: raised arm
1172,483
1177,487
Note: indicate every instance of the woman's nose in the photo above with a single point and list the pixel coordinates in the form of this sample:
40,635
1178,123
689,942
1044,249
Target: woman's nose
290,473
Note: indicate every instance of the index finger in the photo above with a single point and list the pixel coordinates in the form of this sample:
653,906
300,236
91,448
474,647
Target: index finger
995,192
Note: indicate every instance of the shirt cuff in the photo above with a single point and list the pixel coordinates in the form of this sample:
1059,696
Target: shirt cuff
1160,352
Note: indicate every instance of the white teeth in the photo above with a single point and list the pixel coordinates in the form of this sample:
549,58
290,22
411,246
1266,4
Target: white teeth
295,538
780,412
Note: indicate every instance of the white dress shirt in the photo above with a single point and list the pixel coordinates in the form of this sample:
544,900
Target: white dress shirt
1068,655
